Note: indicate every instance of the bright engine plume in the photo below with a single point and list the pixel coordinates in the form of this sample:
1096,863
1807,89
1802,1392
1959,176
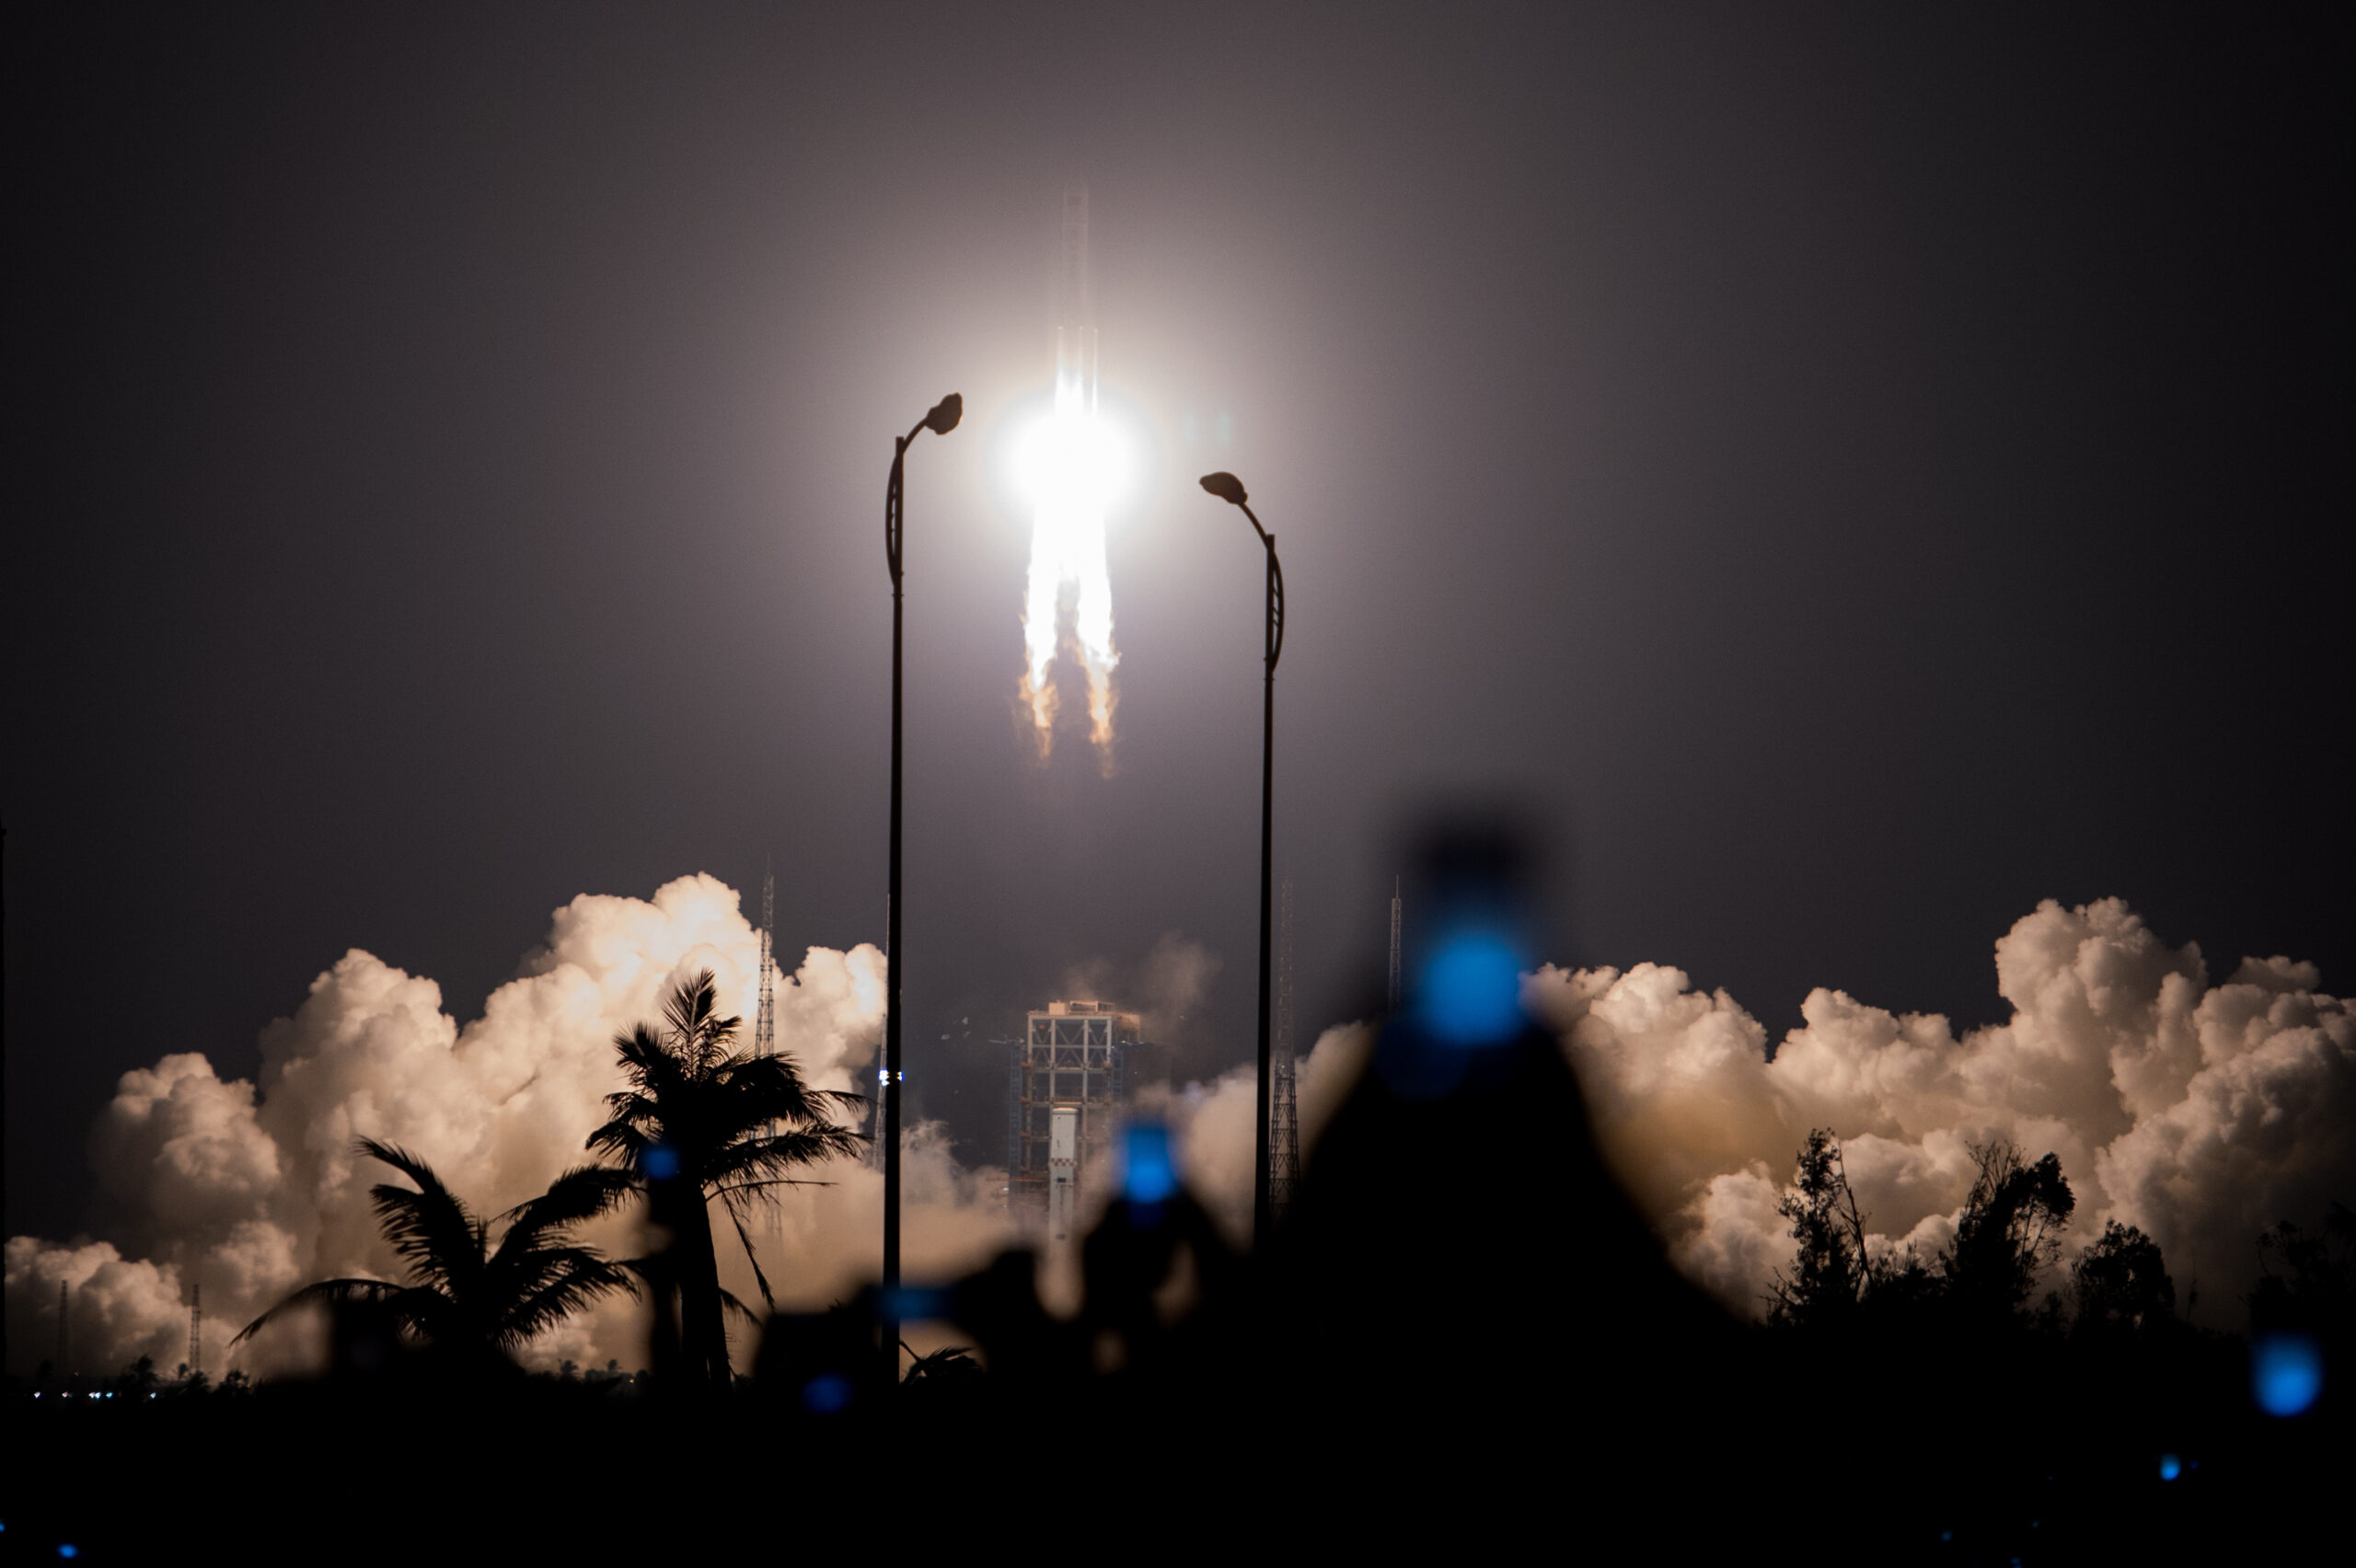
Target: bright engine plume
1070,463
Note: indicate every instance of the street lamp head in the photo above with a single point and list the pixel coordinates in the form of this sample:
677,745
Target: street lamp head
945,414
1226,487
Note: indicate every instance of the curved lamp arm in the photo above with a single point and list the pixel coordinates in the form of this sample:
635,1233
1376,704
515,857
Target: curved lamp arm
1229,489
941,419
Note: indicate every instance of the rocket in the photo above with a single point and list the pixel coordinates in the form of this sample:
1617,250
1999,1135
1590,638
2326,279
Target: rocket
1075,311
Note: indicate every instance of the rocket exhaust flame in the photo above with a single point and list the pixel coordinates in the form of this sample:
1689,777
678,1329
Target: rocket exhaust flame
1071,463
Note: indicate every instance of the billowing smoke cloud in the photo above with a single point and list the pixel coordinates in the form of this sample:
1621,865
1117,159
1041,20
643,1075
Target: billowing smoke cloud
1212,1122
251,1191
2202,1113
1169,988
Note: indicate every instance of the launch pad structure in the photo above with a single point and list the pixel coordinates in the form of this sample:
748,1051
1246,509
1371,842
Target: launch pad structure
1069,1080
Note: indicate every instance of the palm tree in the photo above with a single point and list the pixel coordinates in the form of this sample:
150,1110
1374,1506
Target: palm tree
700,1120
466,1298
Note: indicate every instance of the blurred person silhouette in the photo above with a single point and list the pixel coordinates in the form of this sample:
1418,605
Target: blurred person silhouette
1464,1289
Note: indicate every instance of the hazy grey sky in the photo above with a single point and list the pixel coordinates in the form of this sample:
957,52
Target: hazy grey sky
1850,475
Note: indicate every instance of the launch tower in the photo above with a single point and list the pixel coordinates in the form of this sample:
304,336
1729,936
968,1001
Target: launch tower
1069,1079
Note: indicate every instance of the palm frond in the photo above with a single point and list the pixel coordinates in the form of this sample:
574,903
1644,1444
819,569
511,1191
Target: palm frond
322,1293
734,1207
581,1194
431,1228
784,1151
776,1085
622,1138
579,1278
770,1181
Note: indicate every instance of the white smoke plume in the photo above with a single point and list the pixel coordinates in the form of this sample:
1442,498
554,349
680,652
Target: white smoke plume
1212,1123
2201,1113
252,1190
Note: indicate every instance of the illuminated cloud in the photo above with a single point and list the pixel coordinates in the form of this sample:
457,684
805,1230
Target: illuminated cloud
2199,1113
251,1190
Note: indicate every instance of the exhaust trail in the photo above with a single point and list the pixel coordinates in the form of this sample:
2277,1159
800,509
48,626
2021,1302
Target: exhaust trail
1070,461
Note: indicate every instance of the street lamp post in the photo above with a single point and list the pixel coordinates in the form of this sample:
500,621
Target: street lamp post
1229,489
941,420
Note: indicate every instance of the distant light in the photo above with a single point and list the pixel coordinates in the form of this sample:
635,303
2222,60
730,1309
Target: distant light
2286,1373
1472,989
662,1162
1149,1174
827,1393
2170,1466
67,1549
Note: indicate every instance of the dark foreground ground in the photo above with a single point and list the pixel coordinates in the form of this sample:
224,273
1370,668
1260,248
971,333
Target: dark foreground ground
1773,1452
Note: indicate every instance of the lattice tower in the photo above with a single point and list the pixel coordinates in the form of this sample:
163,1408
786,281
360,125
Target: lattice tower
195,1330
765,1022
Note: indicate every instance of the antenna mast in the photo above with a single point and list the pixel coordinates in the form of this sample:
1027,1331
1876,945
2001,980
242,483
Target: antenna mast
195,1332
765,1023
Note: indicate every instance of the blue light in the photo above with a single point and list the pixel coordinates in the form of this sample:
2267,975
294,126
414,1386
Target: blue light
1472,989
827,1393
2286,1373
2170,1466
915,1301
1149,1174
662,1162
69,1550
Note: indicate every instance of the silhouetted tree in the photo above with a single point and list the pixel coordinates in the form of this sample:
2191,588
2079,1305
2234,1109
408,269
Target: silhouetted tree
702,1121
2316,1289
465,1297
1828,1276
2121,1283
2010,1230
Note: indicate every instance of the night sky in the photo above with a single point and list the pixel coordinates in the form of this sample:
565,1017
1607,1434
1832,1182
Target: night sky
1847,475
